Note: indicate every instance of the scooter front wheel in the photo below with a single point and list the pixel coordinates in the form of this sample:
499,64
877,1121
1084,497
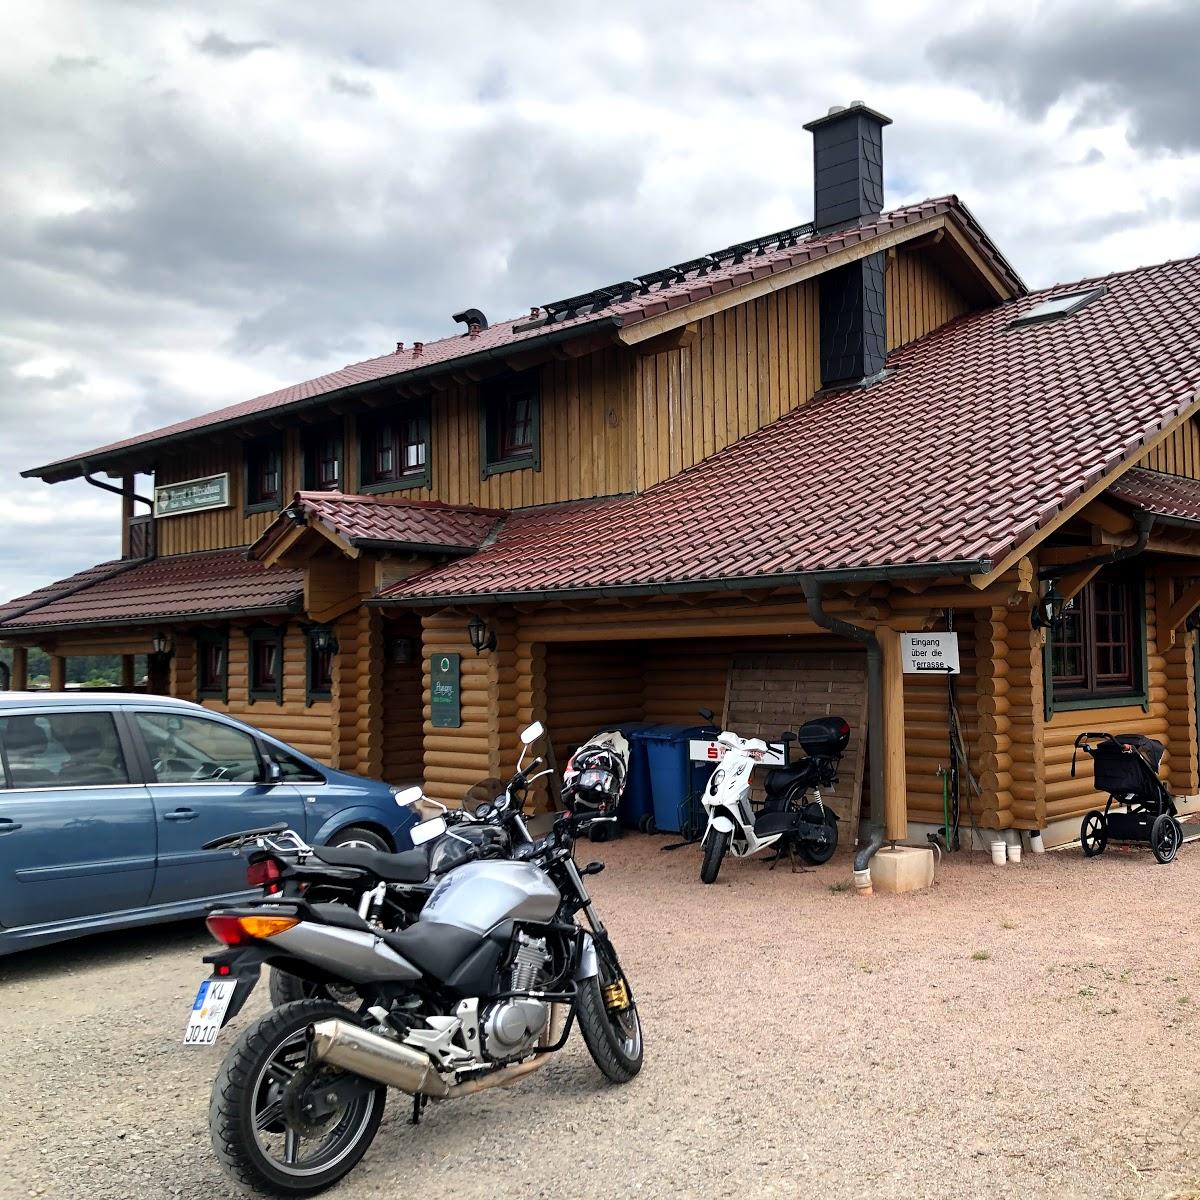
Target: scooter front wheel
716,846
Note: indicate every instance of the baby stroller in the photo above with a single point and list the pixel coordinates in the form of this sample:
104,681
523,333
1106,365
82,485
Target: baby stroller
1126,767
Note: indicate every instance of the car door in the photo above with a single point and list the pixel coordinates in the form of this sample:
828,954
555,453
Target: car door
206,781
77,831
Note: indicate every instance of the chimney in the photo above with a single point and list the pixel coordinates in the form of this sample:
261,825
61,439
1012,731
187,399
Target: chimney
848,191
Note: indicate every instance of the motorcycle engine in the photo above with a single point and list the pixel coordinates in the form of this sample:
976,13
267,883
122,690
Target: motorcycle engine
511,1028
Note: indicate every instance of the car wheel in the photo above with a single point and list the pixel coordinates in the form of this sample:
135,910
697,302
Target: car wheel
358,838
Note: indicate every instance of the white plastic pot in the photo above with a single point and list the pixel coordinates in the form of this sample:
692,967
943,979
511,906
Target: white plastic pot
1035,842
998,853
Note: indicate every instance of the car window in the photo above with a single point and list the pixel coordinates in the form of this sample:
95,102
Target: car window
80,749
293,769
187,749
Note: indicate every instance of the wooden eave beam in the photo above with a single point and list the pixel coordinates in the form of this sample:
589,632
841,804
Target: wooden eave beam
673,339
1072,583
1102,514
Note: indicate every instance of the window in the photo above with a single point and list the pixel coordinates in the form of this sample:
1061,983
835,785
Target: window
1056,307
212,666
264,475
80,749
395,452
509,424
323,460
266,664
1097,651
197,750
319,672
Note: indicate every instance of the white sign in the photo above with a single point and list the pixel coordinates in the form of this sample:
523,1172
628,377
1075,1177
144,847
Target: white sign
775,755
191,495
936,652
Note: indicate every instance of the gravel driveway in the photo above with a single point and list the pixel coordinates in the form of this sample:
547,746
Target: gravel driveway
1017,1031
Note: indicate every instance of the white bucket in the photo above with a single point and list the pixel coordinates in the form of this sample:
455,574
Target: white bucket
1014,853
998,854
1035,842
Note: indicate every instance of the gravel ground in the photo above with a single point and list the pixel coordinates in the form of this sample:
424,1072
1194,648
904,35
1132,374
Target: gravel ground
1017,1031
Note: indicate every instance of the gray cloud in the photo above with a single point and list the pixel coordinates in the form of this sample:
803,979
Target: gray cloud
218,45
346,86
1138,63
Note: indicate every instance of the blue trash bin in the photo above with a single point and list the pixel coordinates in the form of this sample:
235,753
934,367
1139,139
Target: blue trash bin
636,805
674,778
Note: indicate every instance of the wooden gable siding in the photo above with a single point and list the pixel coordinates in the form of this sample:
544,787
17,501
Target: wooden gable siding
1178,453
919,298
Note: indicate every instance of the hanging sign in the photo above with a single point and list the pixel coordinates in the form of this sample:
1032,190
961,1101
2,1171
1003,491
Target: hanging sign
936,653
775,755
444,691
191,495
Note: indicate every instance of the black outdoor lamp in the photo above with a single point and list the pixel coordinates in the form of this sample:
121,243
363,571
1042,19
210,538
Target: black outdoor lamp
163,644
295,514
1048,611
482,638
1192,621
323,639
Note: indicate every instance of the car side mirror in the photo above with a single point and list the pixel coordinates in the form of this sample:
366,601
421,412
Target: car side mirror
272,772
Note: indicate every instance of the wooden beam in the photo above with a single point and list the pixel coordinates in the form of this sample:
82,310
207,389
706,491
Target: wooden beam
58,672
1110,519
1178,612
127,494
673,339
895,794
20,669
1071,583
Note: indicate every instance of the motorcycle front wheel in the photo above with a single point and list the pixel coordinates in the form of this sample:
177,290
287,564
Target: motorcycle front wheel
716,845
609,1021
272,1122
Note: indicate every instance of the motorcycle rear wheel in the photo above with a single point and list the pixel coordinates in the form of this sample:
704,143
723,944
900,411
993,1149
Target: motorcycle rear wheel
286,988
613,1036
249,1110
715,848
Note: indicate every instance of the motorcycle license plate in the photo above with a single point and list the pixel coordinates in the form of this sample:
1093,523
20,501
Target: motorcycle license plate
208,1013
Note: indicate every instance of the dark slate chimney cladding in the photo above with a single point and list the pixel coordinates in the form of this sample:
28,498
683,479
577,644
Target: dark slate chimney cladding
848,190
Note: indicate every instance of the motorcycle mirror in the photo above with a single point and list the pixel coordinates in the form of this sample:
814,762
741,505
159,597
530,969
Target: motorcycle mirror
428,830
531,733
409,796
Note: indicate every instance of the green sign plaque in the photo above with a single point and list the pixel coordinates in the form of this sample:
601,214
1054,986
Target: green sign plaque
445,691
192,495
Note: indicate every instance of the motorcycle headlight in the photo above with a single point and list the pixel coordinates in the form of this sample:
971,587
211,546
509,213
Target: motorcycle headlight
715,782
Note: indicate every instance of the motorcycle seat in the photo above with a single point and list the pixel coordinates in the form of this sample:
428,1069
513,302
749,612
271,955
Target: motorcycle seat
435,948
409,866
781,779
782,821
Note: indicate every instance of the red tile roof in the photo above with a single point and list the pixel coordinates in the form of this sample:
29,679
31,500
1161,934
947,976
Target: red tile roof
504,336
218,583
1163,495
382,522
63,587
982,434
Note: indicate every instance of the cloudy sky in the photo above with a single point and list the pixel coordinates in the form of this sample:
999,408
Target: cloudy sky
204,201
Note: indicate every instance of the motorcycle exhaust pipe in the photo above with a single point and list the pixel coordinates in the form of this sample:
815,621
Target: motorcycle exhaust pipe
349,1046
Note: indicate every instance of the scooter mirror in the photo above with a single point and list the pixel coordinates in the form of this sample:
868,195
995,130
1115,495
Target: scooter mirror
409,796
531,734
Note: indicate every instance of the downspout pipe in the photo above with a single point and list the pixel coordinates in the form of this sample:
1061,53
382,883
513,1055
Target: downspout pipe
1145,524
116,491
872,830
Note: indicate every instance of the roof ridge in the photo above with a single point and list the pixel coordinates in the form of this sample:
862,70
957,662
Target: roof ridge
400,502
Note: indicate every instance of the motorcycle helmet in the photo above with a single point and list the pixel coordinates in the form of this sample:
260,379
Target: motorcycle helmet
468,842
595,777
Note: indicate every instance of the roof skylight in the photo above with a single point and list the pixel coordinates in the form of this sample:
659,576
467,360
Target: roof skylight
1056,308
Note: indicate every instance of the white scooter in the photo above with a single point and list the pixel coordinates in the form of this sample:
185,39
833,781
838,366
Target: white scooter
794,818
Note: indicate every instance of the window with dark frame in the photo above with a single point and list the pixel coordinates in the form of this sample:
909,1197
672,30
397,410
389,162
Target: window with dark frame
264,474
323,469
509,429
1095,652
319,673
266,664
395,452
212,666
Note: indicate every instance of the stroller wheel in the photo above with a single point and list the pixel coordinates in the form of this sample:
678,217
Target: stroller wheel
1093,833
1166,836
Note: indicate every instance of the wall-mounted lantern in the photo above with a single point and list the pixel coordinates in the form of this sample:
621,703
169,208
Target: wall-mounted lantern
323,639
482,638
401,651
163,644
1047,613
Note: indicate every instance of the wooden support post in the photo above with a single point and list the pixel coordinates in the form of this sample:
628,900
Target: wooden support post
58,672
20,669
895,797
127,682
126,513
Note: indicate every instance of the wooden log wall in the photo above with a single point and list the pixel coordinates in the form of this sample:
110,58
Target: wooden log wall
1069,798
1178,453
368,688
589,688
1179,663
343,706
402,754
919,297
1023,680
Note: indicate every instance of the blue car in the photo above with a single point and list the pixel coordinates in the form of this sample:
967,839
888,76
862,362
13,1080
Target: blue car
106,801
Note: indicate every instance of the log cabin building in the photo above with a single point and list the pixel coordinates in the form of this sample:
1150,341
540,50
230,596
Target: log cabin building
785,454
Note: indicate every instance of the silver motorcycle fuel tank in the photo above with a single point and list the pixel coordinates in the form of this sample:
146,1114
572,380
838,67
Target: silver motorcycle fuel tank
478,896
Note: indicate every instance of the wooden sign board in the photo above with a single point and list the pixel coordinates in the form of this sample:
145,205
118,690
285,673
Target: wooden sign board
191,496
445,691
768,694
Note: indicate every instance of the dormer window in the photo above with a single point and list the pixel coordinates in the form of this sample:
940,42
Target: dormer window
509,424
1056,308
264,475
395,451
323,459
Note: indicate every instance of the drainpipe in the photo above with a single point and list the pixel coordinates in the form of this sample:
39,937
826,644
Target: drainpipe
1145,524
872,831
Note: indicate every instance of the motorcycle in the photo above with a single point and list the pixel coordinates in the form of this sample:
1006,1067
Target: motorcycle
793,817
476,993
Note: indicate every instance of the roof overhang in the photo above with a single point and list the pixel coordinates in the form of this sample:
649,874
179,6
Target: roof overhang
16,633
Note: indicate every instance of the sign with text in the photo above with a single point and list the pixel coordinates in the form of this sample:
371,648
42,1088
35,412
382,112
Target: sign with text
775,755
191,495
933,652
444,691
